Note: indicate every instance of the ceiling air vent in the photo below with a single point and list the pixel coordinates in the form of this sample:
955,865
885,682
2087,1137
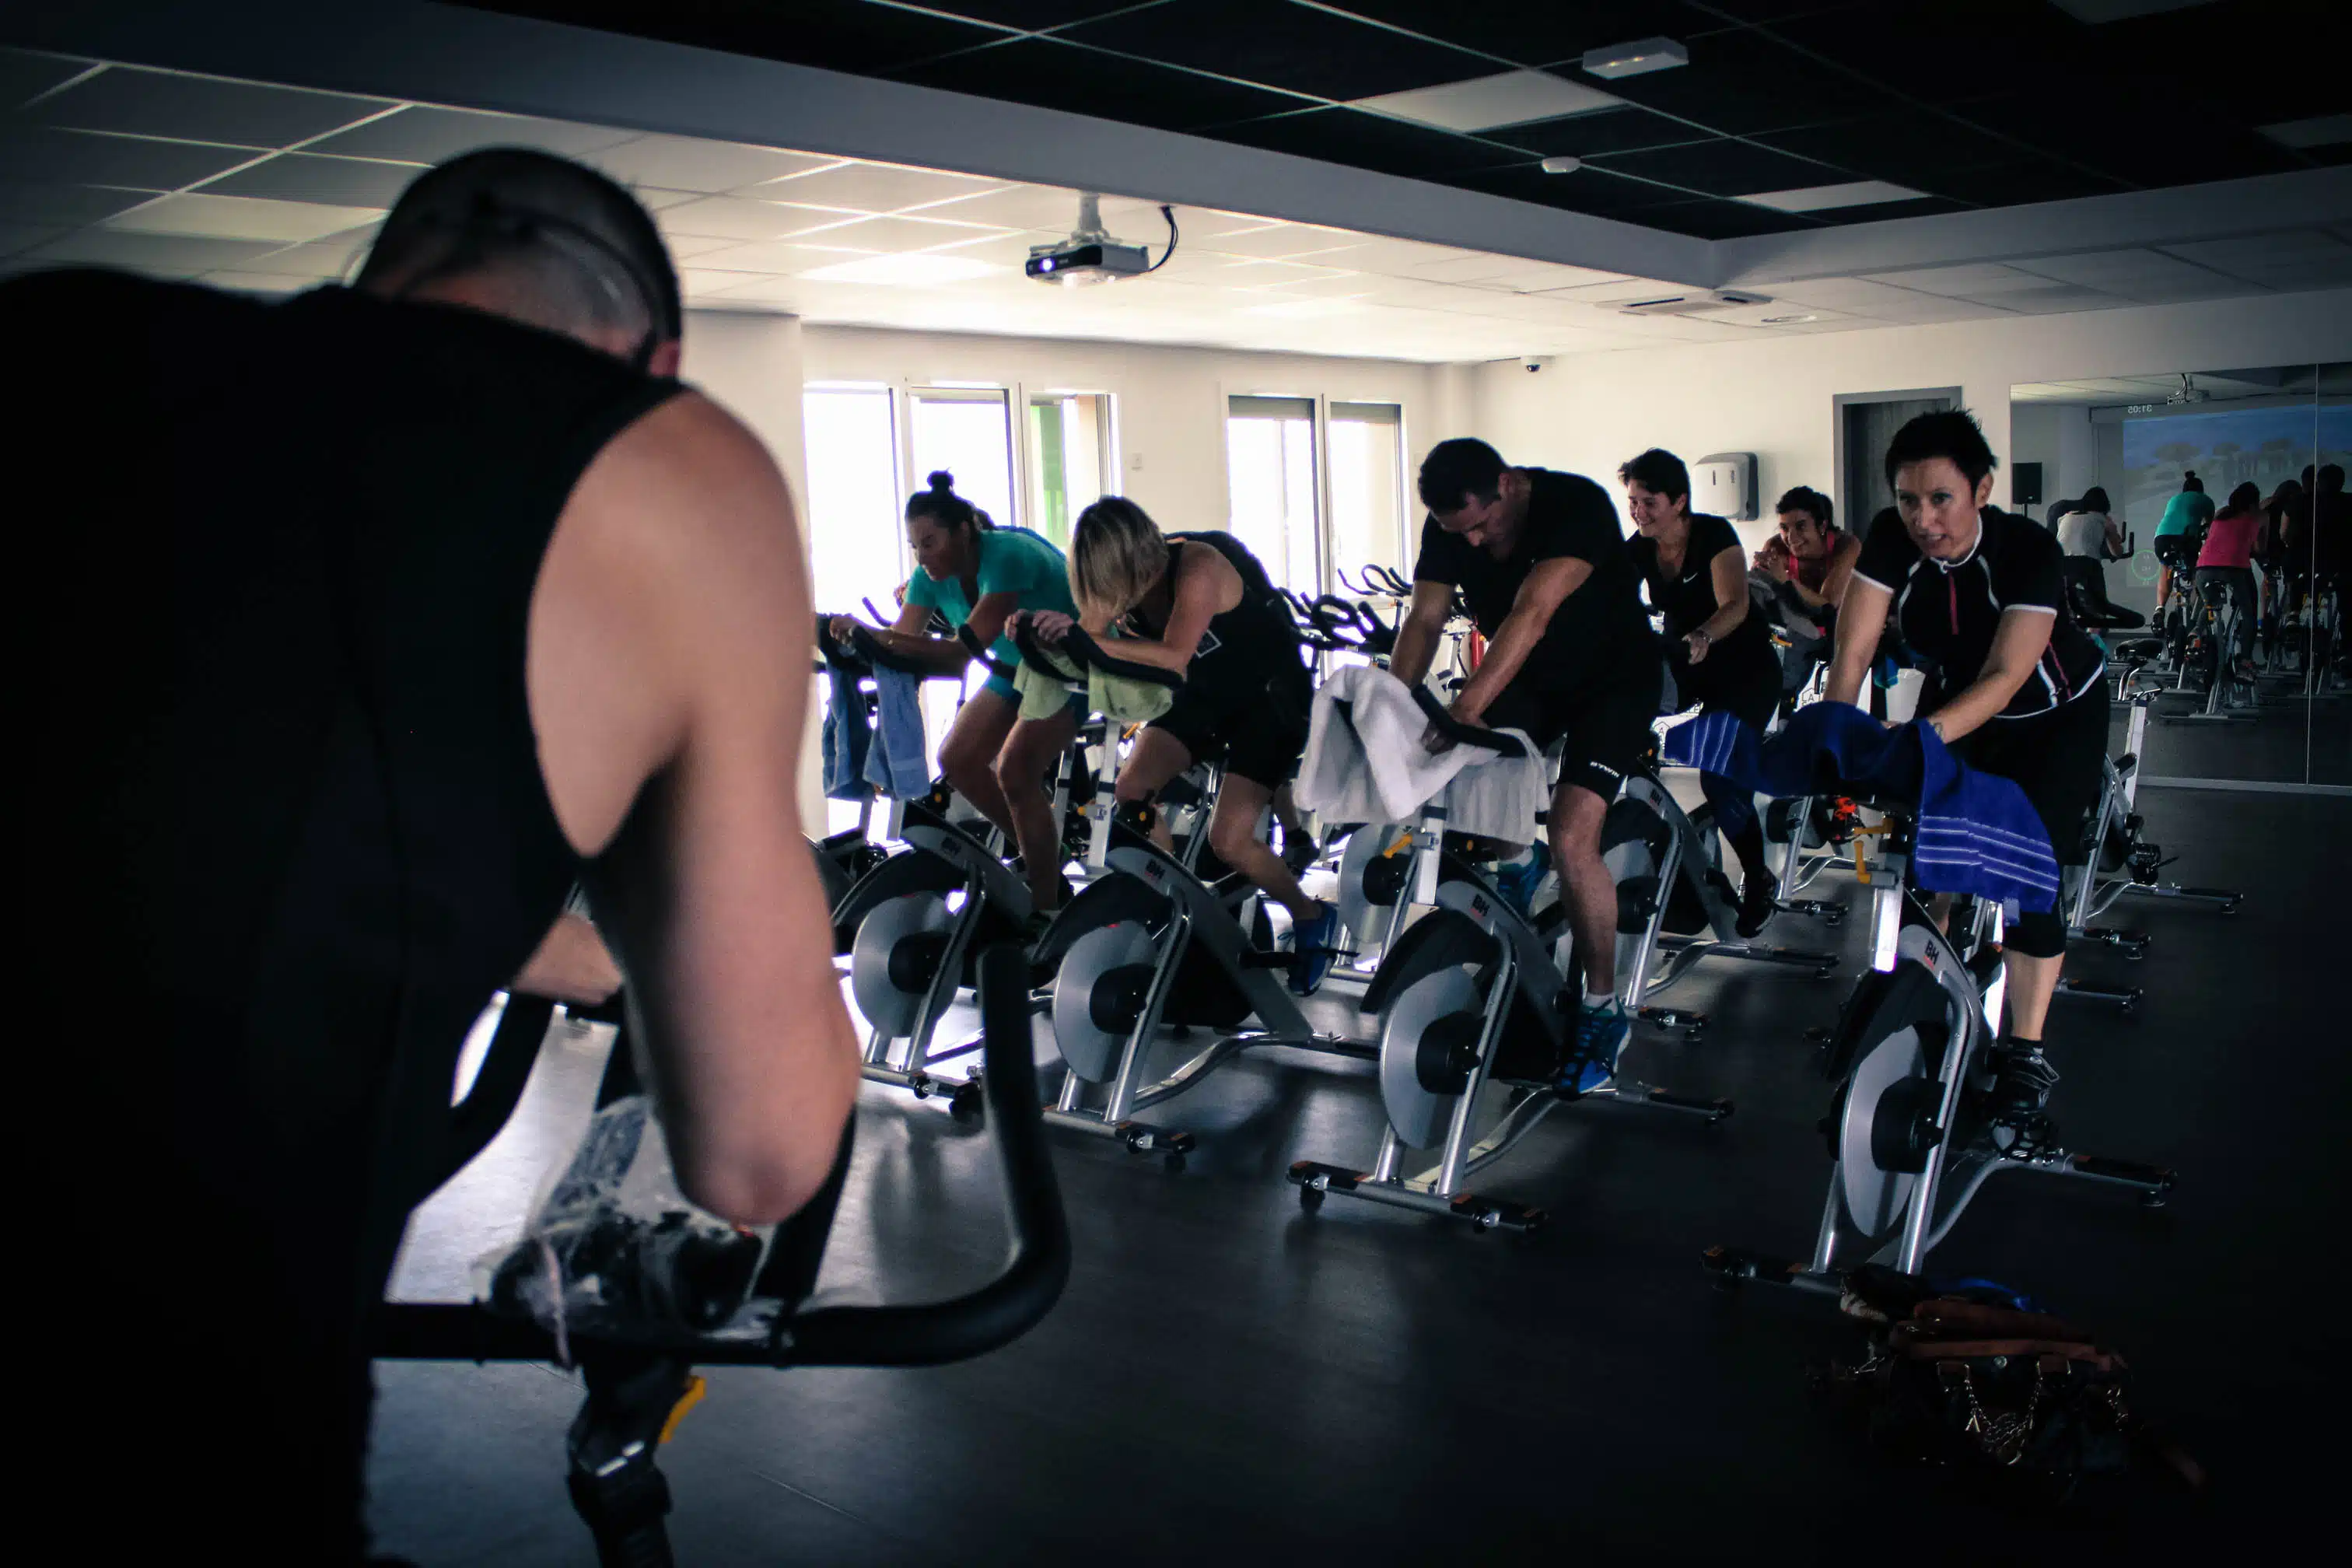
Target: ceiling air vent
1697,302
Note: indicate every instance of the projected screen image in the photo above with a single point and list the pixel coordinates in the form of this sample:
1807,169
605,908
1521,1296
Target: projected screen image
2226,447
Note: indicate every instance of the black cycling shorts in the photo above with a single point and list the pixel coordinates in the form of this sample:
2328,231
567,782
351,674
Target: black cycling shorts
1258,730
1604,728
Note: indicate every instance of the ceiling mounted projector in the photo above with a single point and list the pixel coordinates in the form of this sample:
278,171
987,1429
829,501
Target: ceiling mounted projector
2189,391
1091,255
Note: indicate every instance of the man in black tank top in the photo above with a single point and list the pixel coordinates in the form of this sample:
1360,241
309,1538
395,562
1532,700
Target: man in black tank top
372,622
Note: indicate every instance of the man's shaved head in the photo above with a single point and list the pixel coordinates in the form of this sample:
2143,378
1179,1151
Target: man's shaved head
537,237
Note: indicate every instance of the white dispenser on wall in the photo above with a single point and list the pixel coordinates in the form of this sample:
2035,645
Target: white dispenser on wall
1725,484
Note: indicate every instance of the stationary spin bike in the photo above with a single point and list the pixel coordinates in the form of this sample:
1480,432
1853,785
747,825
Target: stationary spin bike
1468,998
1917,1125
1156,942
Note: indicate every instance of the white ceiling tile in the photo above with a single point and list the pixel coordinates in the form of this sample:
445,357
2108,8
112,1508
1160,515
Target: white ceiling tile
19,237
1053,210
1343,285
2103,268
780,257
201,109
2256,255
1514,98
780,292
423,134
1472,267
875,187
733,217
65,207
695,281
161,255
2052,299
1854,294
334,258
691,163
687,246
1973,280
1276,242
894,233
654,199
2319,131
316,177
1545,276
90,158
1612,290
243,217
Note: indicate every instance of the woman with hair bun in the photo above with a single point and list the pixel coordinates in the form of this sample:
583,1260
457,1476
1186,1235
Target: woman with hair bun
975,575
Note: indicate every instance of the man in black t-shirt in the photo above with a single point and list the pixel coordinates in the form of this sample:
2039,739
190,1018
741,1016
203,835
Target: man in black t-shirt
1541,559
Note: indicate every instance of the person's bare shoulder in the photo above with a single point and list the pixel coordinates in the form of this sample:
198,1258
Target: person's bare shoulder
673,575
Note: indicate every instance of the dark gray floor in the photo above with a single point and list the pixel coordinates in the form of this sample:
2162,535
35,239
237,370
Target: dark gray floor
1228,1378
2287,739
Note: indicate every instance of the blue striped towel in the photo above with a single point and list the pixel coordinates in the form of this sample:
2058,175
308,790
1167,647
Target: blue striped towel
1975,831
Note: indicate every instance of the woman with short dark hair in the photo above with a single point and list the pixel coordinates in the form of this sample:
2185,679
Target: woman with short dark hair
1720,655
2014,686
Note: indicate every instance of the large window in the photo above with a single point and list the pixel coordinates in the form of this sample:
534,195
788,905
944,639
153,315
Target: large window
857,546
1071,463
1270,474
968,431
1367,442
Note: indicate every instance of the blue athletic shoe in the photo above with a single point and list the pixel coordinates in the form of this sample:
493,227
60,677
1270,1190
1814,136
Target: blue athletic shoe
1316,946
1518,880
1599,1035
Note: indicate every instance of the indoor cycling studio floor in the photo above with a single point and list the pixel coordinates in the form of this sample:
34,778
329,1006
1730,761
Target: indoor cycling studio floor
1229,1379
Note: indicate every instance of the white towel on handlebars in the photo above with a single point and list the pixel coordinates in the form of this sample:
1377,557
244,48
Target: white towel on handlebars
1367,764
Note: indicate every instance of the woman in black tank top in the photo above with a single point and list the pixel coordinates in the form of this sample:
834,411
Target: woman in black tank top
1200,603
1720,654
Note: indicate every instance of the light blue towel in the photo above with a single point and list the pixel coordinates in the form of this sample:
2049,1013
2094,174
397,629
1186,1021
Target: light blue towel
1977,833
895,765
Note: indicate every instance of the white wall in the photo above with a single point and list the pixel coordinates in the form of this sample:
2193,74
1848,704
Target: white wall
1773,397
750,364
1170,401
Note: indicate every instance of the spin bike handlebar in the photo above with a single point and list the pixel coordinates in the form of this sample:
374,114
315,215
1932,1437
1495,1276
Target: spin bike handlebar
981,655
866,653
998,1312
1078,648
1462,734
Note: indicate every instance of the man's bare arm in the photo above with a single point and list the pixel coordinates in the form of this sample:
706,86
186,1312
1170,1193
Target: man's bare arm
668,686
1425,622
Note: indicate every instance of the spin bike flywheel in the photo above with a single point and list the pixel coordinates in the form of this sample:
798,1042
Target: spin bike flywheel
1099,994
1428,1042
897,951
1887,1133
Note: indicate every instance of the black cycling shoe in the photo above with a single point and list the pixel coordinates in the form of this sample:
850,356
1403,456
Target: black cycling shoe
2023,1079
1759,893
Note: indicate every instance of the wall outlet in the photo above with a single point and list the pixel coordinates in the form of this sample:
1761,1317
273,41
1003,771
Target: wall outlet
1135,462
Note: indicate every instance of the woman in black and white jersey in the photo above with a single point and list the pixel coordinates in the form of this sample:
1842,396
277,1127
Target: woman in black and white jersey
2014,685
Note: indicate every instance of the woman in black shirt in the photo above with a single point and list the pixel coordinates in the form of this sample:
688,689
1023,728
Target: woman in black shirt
2014,686
1720,655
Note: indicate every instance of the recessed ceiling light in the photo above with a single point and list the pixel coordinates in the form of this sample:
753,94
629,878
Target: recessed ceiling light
916,269
1514,98
1635,59
2322,131
1560,165
1821,198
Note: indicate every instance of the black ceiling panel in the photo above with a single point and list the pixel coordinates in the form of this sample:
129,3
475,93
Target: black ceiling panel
1725,168
2030,103
1743,82
839,35
1367,142
2014,184
1895,146
1726,220
1539,32
1053,75
1032,14
1281,45
1610,131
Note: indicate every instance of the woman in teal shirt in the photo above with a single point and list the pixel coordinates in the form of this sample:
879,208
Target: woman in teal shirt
2186,516
975,575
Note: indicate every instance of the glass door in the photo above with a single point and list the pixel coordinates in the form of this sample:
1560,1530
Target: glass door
1367,443
1071,463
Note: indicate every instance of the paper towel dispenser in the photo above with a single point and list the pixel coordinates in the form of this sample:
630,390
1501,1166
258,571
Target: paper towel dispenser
1723,483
